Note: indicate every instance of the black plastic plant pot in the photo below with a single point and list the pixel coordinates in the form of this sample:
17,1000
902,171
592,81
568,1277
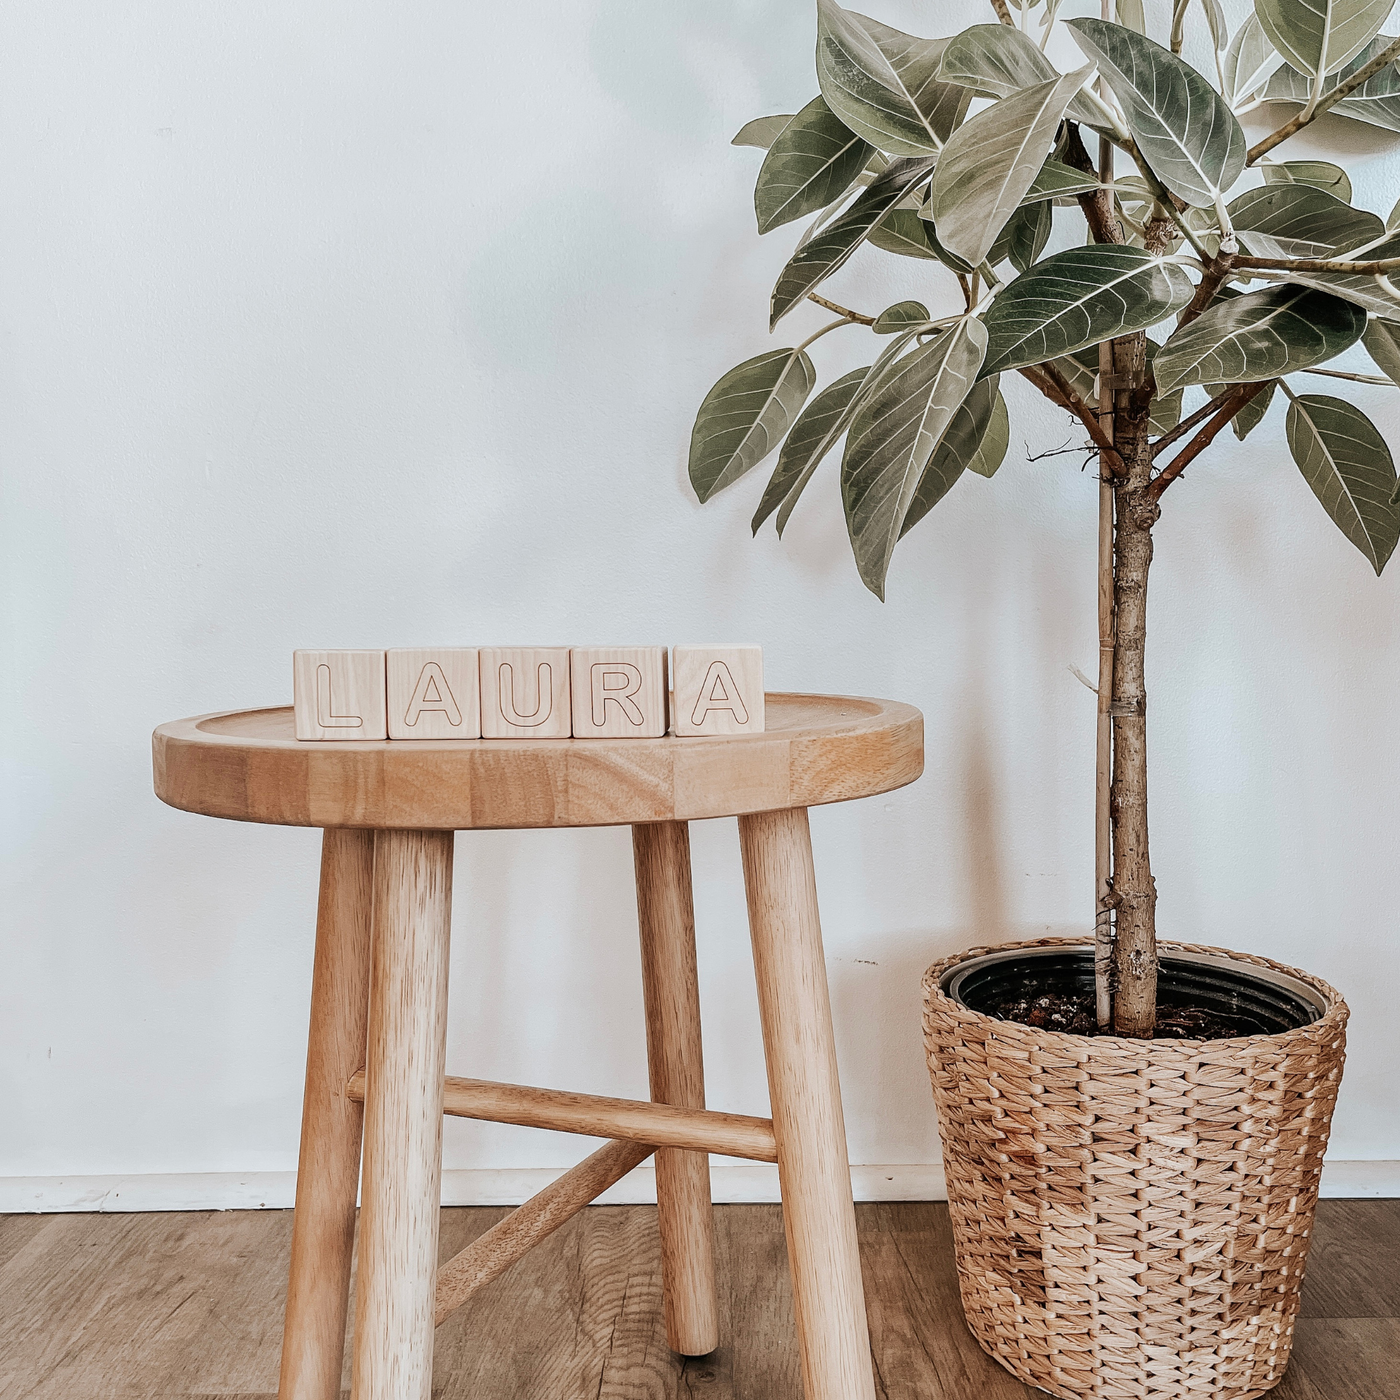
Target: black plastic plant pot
1256,1000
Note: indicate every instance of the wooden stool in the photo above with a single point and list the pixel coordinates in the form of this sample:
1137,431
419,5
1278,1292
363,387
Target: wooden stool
379,1014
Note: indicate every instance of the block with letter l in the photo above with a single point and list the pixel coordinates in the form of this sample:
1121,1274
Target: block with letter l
339,695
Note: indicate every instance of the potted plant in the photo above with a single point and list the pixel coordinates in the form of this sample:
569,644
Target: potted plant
1133,1134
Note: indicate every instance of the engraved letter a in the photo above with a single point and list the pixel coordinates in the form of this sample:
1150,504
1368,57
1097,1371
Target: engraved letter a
718,692
433,693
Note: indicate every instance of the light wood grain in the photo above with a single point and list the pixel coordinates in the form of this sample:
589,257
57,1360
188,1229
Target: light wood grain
328,1169
813,1170
525,693
403,1116
592,1115
495,1251
675,1061
338,696
618,692
433,692
248,766
718,690
173,1305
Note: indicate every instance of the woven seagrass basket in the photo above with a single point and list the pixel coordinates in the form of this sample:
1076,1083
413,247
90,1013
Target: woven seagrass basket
1132,1218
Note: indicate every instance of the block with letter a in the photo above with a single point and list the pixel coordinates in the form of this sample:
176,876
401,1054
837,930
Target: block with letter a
525,693
718,690
618,692
434,693
339,695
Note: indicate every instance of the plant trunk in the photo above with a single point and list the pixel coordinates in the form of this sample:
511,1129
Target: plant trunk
1134,892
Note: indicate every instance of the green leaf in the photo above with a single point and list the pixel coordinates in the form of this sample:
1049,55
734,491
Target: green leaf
1130,15
761,131
1165,412
1376,102
1319,36
884,84
904,232
996,61
1185,130
1259,336
814,160
1080,297
939,251
744,417
1392,220
1056,180
1382,341
1215,22
1364,291
816,431
1300,221
829,249
1320,174
992,160
1024,237
962,439
893,437
1252,414
1250,60
900,317
991,451
1081,369
1349,467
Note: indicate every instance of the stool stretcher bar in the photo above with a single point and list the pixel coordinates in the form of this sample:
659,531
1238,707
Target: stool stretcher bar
510,1239
634,1120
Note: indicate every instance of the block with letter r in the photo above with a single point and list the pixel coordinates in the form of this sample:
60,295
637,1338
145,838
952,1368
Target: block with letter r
619,692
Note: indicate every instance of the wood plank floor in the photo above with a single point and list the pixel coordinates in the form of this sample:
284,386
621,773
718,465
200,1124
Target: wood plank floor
184,1305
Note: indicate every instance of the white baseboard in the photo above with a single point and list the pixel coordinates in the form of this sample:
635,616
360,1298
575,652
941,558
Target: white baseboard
506,1187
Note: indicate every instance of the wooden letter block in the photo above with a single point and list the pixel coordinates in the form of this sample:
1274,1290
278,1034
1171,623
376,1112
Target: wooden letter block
434,693
525,693
339,694
619,692
718,690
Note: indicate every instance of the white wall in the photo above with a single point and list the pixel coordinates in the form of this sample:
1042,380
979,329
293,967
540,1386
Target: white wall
355,325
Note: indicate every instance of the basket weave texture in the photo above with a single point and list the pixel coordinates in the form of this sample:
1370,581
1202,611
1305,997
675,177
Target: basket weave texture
1132,1218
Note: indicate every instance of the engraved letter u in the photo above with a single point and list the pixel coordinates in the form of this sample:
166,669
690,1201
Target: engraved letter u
544,696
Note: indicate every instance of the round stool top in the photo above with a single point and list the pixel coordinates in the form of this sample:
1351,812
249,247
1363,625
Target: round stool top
247,765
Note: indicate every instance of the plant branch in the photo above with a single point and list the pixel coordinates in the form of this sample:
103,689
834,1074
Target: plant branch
1097,205
841,310
1076,405
1198,444
1355,378
1314,110
1217,270
1375,268
1044,385
1003,12
1193,420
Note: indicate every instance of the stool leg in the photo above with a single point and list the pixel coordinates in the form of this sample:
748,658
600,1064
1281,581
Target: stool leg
666,917
328,1169
813,1168
402,1172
